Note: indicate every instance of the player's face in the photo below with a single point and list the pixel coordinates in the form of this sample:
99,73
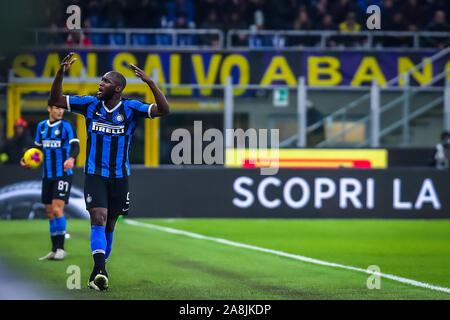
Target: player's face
107,87
55,113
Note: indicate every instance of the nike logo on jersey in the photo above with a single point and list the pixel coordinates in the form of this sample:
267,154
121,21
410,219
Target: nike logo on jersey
125,210
99,114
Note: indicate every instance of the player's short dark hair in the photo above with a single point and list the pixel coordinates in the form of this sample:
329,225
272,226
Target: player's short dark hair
444,134
119,79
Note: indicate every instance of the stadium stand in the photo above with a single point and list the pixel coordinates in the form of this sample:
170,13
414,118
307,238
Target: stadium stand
251,15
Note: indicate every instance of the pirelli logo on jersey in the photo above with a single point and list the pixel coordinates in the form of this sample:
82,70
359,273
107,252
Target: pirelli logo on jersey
107,128
51,143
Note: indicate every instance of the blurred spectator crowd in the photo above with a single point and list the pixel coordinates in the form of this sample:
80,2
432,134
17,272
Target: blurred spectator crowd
342,15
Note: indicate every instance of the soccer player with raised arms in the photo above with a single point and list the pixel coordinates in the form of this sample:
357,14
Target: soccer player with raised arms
110,124
60,146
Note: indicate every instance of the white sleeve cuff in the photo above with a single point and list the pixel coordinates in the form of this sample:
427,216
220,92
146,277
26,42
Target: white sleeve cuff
74,140
38,144
150,111
68,103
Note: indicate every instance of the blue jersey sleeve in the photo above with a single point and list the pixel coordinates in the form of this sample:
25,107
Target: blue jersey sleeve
140,109
38,138
79,104
71,134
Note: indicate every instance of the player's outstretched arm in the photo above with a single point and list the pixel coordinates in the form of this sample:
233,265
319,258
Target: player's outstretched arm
56,96
162,106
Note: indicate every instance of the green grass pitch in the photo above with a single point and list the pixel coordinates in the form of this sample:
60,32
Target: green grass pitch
153,264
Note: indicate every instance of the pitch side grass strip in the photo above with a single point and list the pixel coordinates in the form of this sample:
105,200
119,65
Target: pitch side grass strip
287,255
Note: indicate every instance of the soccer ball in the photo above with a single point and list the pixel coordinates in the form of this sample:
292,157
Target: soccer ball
33,157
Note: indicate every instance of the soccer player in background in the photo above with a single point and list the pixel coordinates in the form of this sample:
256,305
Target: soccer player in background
59,143
110,124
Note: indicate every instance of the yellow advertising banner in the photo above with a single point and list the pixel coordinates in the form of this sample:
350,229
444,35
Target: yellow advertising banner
308,158
349,68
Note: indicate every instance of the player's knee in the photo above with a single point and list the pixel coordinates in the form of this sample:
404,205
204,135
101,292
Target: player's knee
57,211
98,216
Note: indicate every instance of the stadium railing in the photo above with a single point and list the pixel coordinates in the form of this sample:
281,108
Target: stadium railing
242,39
370,108
131,38
379,113
373,119
320,39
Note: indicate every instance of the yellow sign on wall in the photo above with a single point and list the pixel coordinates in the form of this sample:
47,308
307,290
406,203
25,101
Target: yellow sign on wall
347,68
308,158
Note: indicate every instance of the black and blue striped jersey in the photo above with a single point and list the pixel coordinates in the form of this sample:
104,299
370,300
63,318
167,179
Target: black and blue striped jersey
55,139
109,133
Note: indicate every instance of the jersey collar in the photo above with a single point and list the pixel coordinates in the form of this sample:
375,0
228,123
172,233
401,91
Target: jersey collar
112,110
53,124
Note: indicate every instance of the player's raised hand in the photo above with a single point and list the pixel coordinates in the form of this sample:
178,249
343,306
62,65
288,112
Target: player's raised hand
67,62
140,73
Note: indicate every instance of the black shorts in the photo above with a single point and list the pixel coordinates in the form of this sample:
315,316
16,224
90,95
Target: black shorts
110,193
56,188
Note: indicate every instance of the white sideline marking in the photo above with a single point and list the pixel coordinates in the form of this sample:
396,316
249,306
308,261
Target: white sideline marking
287,255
